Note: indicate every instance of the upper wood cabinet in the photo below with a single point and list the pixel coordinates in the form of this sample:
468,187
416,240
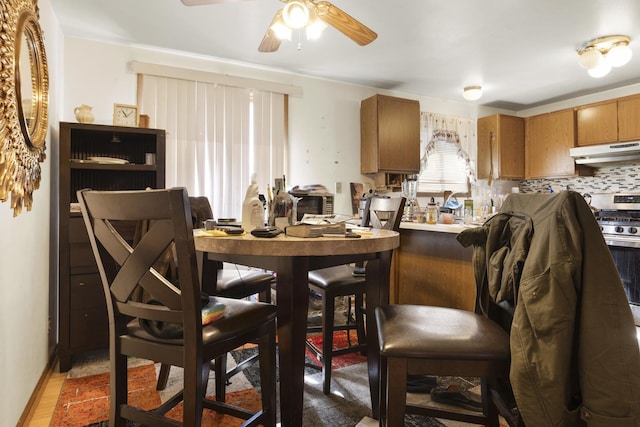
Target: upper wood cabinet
629,118
389,135
597,123
548,138
610,121
501,147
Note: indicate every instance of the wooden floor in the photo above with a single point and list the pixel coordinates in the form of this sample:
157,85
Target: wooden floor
45,404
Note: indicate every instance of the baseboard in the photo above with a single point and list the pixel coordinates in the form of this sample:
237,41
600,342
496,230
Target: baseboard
27,414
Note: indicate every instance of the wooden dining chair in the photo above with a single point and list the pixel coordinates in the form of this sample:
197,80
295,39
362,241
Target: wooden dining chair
340,281
231,282
174,326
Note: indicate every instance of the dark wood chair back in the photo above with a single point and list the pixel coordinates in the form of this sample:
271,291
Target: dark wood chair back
167,324
123,268
200,210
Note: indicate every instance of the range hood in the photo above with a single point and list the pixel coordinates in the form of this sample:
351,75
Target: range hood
607,154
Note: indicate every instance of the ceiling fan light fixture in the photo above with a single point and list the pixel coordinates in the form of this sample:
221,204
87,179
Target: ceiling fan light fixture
471,93
314,16
295,14
280,29
315,27
597,56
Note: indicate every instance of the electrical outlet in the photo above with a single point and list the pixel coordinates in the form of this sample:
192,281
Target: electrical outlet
338,187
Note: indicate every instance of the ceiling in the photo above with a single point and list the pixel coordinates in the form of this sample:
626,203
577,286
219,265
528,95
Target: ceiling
522,52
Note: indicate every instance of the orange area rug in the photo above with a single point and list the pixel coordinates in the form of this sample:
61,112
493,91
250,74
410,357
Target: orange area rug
84,401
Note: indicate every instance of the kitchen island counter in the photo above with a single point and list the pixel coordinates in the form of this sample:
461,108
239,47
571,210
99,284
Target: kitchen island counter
442,228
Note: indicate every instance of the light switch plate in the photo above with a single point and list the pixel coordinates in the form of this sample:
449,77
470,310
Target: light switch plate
338,187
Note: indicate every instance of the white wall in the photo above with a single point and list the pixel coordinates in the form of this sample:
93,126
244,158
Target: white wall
324,123
25,268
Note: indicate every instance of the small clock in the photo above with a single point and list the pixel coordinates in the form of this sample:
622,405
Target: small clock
125,115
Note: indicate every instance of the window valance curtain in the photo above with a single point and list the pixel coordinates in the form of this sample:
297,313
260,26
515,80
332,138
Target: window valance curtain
446,143
217,137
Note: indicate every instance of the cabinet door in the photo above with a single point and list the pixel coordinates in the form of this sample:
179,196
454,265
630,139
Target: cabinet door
511,147
501,147
487,158
399,133
548,138
390,135
629,118
598,123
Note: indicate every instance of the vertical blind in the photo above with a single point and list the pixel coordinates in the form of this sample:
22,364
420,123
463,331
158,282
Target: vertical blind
217,137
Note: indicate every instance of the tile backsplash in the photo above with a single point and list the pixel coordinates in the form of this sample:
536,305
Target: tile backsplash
612,179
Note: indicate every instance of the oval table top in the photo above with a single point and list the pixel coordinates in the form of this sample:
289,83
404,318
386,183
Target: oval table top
282,245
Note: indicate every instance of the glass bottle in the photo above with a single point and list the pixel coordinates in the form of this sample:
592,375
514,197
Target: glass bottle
432,212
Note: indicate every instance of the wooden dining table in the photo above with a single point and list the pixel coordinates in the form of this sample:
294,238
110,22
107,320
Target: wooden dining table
291,258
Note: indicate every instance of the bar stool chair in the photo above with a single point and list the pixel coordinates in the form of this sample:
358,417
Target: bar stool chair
173,328
230,283
340,281
437,341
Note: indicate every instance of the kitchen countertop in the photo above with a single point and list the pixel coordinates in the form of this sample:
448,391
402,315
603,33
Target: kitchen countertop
442,228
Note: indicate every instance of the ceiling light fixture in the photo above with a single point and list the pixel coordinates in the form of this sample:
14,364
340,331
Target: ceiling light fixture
597,56
296,15
315,26
471,93
280,28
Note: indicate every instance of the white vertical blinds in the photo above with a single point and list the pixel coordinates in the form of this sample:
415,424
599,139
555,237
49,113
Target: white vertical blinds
217,138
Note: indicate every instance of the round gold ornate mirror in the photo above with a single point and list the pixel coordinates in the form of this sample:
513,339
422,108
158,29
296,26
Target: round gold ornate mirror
24,103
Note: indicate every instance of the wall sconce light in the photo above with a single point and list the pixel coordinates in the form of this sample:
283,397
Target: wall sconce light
597,56
471,93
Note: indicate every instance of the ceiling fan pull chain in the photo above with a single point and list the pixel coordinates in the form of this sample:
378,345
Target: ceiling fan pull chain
299,41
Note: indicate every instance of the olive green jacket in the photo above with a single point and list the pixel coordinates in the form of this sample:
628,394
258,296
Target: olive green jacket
574,352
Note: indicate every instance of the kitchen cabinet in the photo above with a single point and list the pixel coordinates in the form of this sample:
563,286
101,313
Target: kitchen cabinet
500,147
83,324
611,121
548,138
389,135
629,118
597,123
432,268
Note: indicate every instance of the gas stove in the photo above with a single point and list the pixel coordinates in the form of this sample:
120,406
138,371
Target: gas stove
619,217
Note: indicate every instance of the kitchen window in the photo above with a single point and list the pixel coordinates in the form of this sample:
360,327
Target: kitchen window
445,162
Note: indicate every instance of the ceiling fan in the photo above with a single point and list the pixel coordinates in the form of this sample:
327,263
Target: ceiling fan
309,14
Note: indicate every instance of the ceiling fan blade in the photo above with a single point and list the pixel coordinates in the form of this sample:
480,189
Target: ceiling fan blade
270,43
345,23
201,2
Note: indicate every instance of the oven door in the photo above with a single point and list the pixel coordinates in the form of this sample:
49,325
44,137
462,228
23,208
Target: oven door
626,255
